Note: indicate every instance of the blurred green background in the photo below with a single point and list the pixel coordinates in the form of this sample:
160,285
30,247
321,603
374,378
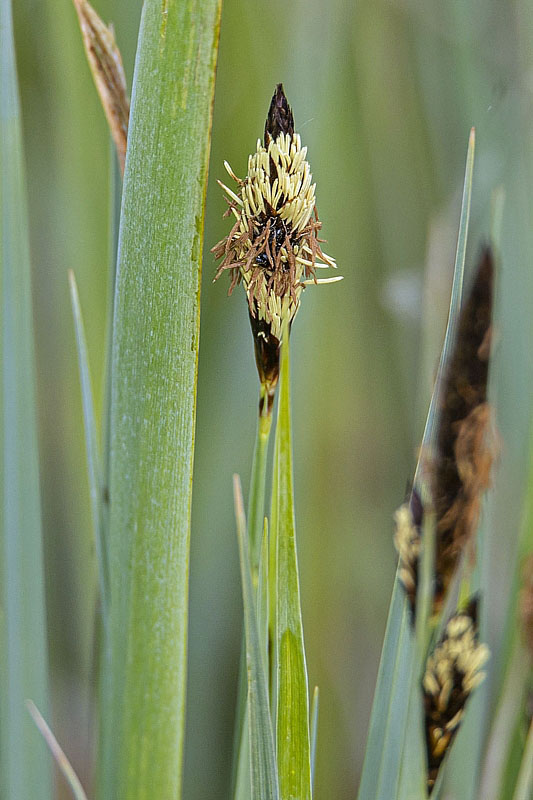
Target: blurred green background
384,95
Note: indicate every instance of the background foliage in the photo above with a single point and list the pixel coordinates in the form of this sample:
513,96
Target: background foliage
384,94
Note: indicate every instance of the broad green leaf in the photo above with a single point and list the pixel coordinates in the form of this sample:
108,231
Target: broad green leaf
264,780
24,763
91,443
400,667
292,723
57,752
153,399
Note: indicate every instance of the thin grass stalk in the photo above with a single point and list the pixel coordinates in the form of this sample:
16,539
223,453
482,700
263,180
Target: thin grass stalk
93,453
256,504
115,195
154,370
56,750
25,770
314,733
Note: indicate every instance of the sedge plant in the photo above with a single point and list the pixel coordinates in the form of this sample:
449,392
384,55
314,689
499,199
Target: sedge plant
445,723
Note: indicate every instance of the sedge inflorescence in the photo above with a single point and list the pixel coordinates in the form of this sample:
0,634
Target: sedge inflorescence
273,246
453,671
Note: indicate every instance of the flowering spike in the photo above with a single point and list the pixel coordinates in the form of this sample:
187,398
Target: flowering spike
453,671
273,246
458,471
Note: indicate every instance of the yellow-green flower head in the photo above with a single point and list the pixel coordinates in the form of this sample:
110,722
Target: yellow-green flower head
453,671
273,246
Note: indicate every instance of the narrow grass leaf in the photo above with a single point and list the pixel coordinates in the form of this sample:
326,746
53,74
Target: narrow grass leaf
264,780
59,756
256,505
262,597
399,665
314,733
91,444
241,789
524,786
153,398
25,770
508,711
256,516
293,744
456,295
381,767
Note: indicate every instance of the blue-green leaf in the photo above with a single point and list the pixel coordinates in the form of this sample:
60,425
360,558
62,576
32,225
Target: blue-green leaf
25,770
264,780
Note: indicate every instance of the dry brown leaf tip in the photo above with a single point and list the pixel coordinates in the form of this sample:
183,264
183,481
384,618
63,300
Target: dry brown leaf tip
106,66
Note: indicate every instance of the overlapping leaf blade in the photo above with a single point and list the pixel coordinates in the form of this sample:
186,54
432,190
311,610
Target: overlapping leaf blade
263,772
25,769
292,723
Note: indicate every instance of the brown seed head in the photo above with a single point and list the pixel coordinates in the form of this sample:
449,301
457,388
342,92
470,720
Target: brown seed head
465,441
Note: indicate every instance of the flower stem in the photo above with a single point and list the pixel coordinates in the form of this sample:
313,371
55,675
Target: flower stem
256,500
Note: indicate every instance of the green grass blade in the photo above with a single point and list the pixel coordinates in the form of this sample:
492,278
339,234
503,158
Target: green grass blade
154,370
381,767
91,443
400,666
115,195
314,733
242,781
57,752
256,515
24,764
293,744
508,711
256,505
264,780
524,786
263,598
457,291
